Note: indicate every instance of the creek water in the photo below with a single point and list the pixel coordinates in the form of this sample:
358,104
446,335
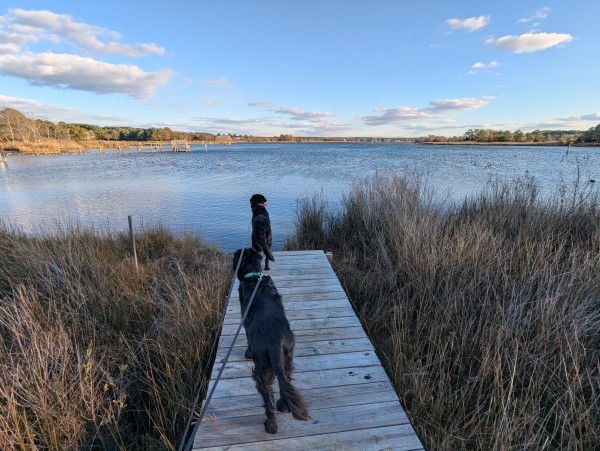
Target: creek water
207,192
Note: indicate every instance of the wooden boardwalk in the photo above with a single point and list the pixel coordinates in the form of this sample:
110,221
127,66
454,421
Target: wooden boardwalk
350,399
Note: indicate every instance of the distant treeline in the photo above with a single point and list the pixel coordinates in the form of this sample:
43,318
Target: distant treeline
537,136
17,127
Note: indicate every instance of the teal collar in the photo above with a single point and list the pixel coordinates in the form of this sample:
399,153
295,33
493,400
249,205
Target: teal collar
253,274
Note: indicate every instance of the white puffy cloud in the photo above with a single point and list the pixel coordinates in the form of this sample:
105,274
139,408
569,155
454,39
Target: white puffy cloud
51,26
530,42
470,24
81,73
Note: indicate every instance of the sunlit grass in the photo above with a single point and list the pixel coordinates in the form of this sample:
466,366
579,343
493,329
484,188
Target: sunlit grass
96,354
486,314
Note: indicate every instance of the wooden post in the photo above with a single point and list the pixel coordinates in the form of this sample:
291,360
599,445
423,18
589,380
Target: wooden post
329,256
132,240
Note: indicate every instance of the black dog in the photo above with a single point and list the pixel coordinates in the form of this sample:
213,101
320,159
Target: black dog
270,339
262,238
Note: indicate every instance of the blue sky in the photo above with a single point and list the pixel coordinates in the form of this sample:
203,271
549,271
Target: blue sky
307,68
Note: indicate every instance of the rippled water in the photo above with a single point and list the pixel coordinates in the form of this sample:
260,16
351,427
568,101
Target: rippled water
208,192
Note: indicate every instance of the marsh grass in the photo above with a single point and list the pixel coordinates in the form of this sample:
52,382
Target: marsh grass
486,314
97,355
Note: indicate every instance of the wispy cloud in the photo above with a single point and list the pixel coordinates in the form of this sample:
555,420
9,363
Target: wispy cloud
469,103
296,114
67,71
470,24
530,42
539,14
591,117
268,105
280,120
409,116
581,122
299,114
56,112
217,82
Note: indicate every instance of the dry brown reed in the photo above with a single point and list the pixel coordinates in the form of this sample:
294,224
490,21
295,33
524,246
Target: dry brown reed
486,314
94,354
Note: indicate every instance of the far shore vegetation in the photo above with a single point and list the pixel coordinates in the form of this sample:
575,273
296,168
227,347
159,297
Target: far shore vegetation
485,315
21,133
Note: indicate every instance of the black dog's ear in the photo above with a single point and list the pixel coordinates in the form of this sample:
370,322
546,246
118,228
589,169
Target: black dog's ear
236,257
253,253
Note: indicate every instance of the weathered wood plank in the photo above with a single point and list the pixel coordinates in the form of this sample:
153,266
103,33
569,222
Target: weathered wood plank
333,289
301,272
302,304
306,380
228,431
303,336
293,315
309,252
347,321
318,398
309,348
318,362
387,438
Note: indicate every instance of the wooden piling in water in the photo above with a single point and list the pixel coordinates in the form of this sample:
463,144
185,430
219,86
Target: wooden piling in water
132,242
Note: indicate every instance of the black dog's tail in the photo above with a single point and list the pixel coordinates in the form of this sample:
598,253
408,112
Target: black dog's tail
268,254
294,400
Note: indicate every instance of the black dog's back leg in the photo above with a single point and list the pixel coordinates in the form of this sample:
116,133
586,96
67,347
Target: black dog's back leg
264,385
248,352
282,404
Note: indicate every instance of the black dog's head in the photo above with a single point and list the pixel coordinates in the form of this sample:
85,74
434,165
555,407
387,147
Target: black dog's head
250,262
257,199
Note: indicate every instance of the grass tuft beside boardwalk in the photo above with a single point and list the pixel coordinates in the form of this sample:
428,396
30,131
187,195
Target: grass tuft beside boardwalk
94,354
486,314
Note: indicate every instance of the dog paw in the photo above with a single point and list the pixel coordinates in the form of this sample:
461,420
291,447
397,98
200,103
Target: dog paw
271,426
248,354
282,405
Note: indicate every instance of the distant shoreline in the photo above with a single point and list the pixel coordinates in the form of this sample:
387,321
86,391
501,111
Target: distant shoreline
70,147
510,143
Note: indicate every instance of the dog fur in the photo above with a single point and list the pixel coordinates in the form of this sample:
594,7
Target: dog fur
270,340
262,238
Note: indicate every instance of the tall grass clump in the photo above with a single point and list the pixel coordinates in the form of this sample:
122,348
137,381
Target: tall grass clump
486,314
95,354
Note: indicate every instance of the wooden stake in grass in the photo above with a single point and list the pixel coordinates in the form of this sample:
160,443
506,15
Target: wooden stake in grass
132,240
